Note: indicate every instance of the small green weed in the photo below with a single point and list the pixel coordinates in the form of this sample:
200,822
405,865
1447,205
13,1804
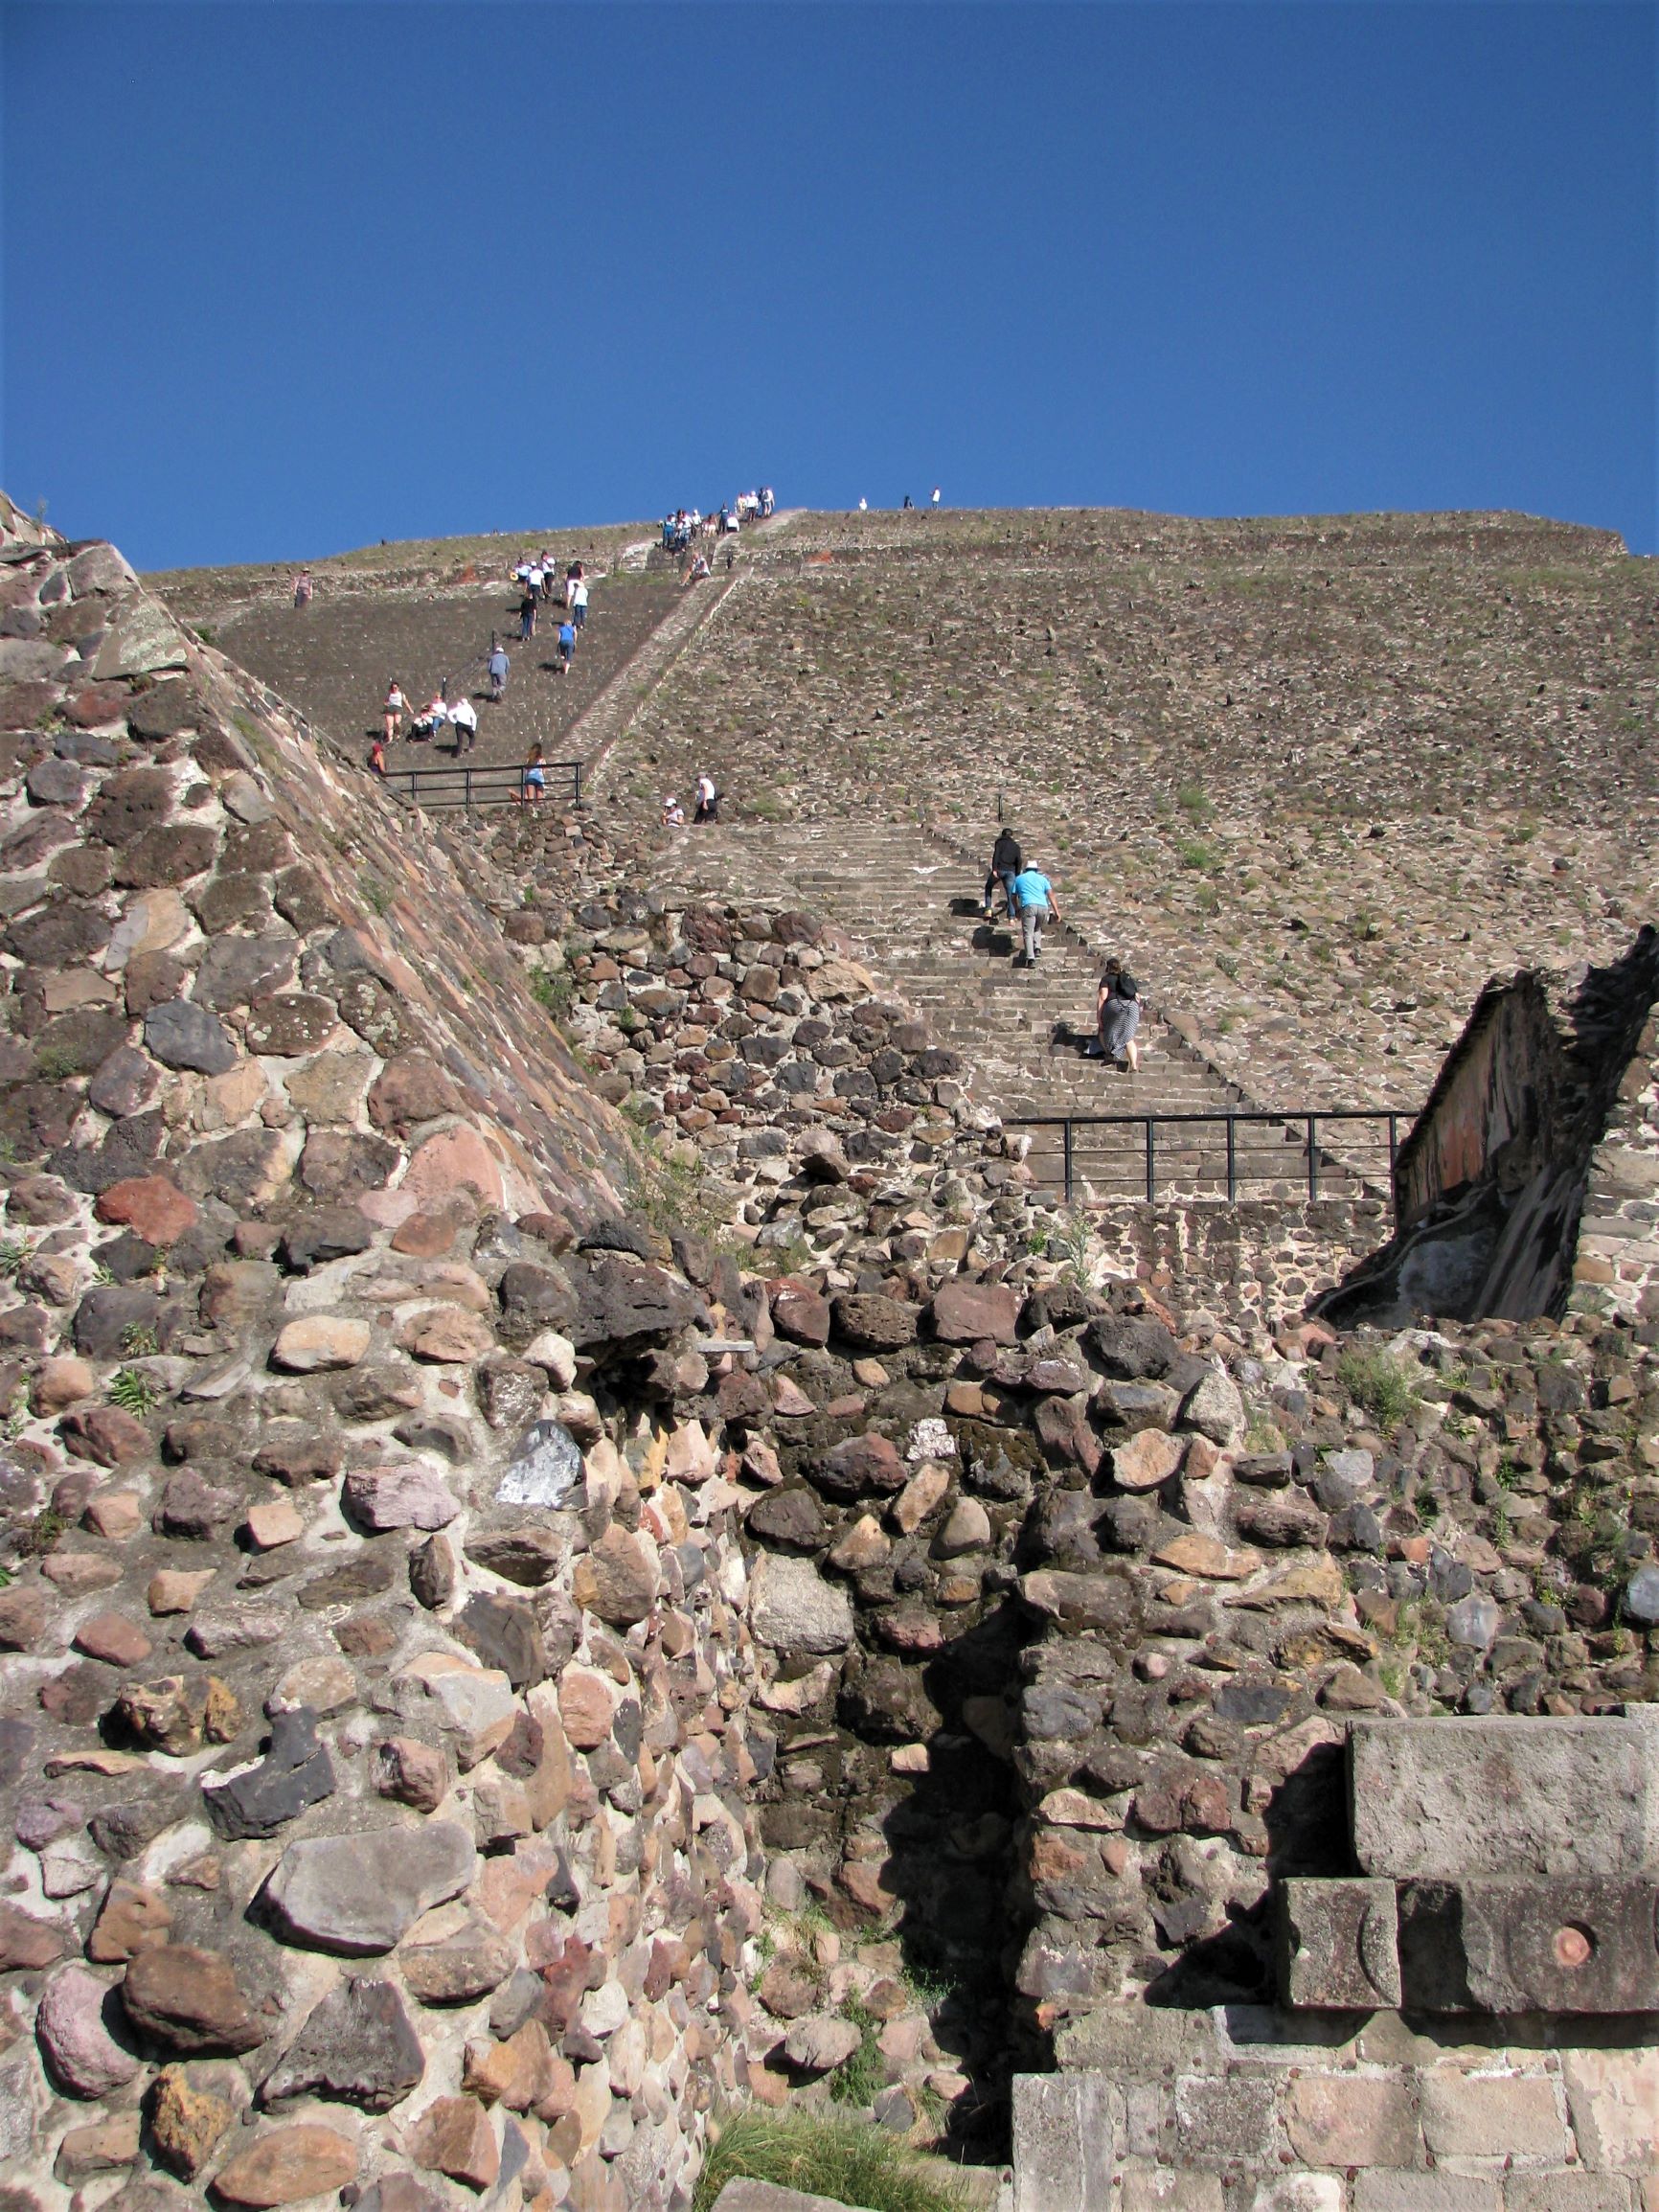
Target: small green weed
1193,804
55,1063
132,1392
12,1254
1193,853
41,1533
553,989
137,1340
1378,1385
374,894
860,2078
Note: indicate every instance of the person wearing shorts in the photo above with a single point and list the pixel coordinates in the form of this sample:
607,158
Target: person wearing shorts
533,782
566,646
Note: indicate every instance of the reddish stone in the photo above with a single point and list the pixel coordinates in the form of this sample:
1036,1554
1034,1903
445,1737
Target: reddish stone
96,706
107,1435
798,1311
410,1089
454,2136
112,1637
287,2166
27,1943
456,1158
554,1230
1179,1796
965,1312
431,1232
859,1465
133,1918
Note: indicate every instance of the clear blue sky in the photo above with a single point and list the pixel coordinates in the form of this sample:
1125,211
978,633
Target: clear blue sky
284,279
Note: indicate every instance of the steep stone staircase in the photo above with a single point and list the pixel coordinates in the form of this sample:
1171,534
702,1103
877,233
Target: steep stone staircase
911,907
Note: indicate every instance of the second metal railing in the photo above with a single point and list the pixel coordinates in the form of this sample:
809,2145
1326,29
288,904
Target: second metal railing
470,783
1226,1169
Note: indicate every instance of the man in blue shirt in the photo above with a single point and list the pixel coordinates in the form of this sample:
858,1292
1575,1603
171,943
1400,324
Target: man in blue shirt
1034,896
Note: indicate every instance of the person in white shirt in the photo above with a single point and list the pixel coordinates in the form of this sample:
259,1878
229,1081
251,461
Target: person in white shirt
708,801
464,721
673,814
578,601
935,499
864,507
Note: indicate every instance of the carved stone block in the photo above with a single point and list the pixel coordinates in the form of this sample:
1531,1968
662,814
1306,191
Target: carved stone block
1336,1946
1523,1946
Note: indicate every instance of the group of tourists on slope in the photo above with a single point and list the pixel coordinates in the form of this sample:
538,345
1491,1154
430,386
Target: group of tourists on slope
1029,899
686,523
541,584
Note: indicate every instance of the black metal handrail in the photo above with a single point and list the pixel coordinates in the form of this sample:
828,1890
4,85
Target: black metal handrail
475,784
1309,1120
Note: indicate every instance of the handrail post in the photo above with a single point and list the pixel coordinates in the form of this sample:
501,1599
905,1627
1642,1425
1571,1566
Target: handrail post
578,801
1232,1157
1392,1161
1151,1122
1312,1159
1066,1143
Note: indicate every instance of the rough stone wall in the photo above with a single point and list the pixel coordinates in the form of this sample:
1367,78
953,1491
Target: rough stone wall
1254,1264
1256,1554
374,1760
1617,1267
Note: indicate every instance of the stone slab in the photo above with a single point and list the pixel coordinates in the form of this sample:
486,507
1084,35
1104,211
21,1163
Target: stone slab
1446,1800
1337,1949
1522,1947
769,2196
1064,2142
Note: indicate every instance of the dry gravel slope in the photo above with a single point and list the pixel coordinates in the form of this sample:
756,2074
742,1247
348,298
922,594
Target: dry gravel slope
1321,778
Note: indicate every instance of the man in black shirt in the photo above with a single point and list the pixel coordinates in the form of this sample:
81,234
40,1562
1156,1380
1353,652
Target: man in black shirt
1006,862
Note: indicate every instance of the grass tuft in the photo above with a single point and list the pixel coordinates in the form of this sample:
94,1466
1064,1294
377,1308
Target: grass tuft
134,1393
1378,1385
850,2161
